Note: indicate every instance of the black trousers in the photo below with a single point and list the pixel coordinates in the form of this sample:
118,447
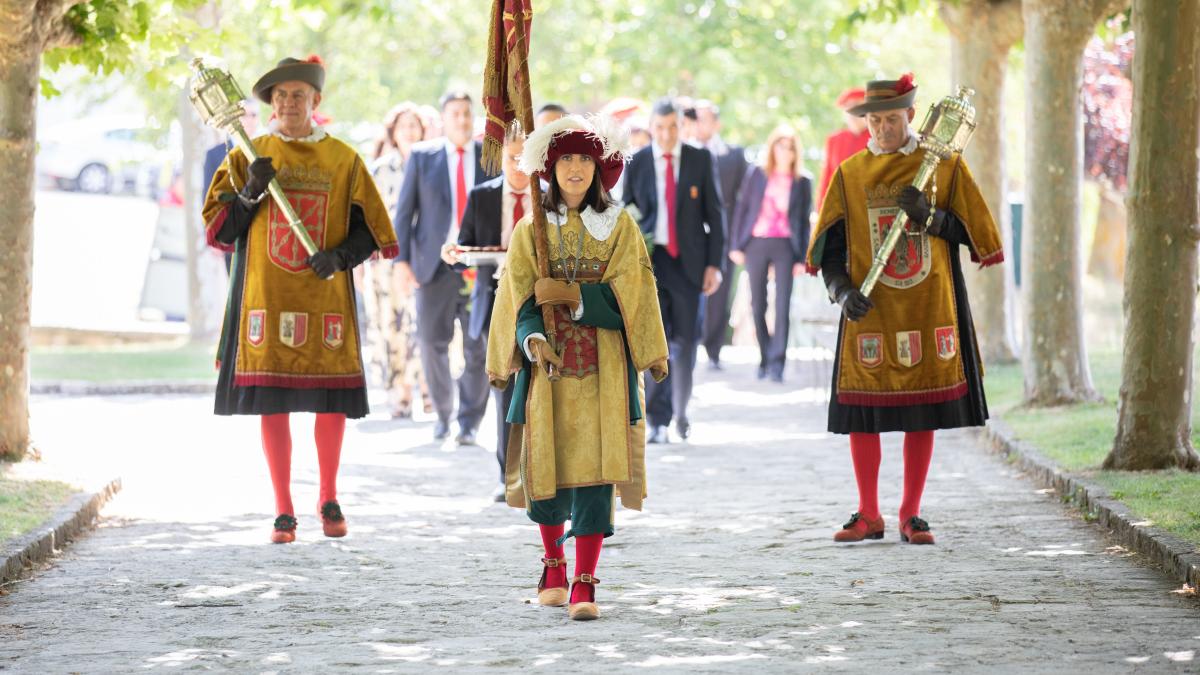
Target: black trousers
440,303
762,254
679,301
716,317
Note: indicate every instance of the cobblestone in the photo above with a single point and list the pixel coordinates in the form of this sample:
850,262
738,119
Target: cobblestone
731,567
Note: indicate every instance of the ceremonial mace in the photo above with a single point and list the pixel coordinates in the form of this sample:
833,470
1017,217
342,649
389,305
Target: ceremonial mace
218,100
947,127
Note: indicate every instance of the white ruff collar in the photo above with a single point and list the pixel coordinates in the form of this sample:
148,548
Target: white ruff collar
318,134
599,225
907,149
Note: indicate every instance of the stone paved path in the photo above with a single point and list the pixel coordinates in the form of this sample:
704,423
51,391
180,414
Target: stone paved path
731,568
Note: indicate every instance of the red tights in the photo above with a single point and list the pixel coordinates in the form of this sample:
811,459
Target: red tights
587,556
277,445
918,451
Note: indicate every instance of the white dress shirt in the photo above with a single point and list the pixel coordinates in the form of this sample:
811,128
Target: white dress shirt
910,146
507,202
468,175
661,229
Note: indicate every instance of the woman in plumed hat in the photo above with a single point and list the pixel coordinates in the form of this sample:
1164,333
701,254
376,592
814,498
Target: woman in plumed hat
578,441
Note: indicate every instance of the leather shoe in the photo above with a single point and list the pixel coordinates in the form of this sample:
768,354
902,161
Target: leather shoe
858,528
466,437
683,428
499,495
658,434
915,531
441,430
333,523
284,529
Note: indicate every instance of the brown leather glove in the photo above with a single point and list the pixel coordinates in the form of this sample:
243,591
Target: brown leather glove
555,292
545,354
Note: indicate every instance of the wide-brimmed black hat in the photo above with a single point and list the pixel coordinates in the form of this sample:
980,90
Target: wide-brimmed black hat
887,95
311,71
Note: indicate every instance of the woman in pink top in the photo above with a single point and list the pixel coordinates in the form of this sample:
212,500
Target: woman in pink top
770,229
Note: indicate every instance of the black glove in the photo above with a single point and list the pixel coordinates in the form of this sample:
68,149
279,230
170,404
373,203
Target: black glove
915,204
326,263
854,304
260,173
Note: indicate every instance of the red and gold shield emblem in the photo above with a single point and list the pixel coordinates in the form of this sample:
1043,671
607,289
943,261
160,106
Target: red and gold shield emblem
870,349
285,250
256,326
910,261
333,331
908,348
293,328
947,342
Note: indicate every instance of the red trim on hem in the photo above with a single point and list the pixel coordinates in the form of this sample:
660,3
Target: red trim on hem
300,381
993,259
886,400
211,230
390,251
812,270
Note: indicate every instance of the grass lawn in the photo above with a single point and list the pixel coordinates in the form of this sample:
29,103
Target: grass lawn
151,362
1078,438
25,504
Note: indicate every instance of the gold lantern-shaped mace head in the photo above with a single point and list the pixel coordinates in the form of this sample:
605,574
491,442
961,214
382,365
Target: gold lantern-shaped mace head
218,100
946,130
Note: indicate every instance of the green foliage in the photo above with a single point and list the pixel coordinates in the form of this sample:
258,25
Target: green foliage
115,36
1078,438
142,363
763,61
26,504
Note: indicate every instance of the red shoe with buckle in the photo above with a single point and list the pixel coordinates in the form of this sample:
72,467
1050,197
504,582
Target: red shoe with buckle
860,527
585,610
553,596
284,531
916,531
332,520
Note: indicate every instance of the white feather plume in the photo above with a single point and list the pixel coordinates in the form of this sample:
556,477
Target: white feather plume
612,134
614,139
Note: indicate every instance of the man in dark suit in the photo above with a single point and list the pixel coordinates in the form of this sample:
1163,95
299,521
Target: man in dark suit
216,154
433,198
673,189
493,209
731,165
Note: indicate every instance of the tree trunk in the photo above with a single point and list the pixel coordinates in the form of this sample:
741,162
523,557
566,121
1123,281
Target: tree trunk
191,134
983,33
1054,351
20,63
1154,413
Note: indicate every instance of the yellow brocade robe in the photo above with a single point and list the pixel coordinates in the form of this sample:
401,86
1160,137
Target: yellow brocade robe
906,351
578,431
293,329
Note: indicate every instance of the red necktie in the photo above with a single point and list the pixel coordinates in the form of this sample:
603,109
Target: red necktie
460,193
517,214
672,238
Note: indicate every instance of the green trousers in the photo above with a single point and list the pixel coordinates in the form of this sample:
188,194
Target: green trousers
590,510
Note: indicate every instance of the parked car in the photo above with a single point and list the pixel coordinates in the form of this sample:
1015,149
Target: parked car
98,156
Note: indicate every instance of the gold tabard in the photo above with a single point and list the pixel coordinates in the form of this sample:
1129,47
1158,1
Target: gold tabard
294,329
906,350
